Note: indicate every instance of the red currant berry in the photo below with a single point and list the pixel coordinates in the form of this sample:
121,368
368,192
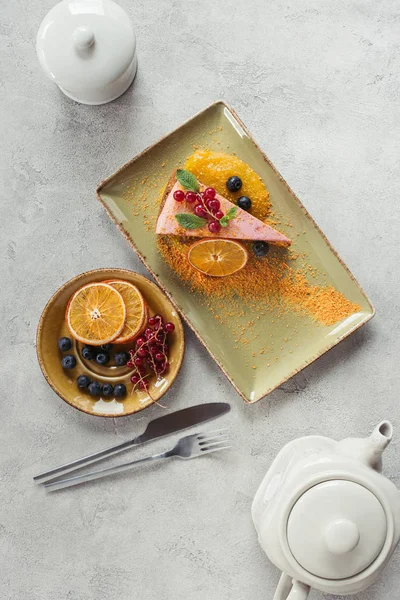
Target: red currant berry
152,321
160,336
200,210
140,341
153,349
214,205
135,378
141,370
129,364
191,197
169,327
159,357
138,361
142,385
214,226
209,193
159,318
149,333
179,195
219,214
142,352
166,366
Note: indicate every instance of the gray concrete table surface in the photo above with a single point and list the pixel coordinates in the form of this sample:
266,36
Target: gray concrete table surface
317,83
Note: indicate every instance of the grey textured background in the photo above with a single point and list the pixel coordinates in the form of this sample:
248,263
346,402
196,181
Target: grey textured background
317,83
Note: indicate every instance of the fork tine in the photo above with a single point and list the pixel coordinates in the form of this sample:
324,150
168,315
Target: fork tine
216,449
214,438
214,445
212,432
206,438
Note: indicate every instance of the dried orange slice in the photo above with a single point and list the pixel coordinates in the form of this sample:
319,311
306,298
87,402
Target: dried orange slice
136,310
96,314
217,257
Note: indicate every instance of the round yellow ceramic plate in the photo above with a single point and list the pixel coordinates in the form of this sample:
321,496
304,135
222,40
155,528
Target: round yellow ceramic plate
52,326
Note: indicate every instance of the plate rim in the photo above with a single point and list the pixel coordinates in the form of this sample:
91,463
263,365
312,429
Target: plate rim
40,329
130,241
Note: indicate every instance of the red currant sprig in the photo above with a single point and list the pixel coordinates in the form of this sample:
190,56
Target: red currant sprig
208,206
150,355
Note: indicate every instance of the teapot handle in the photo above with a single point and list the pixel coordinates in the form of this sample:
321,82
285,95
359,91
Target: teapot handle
291,589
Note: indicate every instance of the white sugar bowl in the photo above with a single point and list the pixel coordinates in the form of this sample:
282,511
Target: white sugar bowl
326,516
88,48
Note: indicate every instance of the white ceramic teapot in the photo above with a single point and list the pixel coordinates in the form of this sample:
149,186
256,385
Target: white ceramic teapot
326,516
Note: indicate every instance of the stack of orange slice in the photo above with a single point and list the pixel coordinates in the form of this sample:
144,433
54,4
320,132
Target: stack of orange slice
109,311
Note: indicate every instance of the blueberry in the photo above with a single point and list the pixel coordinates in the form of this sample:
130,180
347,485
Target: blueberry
121,358
107,390
89,353
83,381
68,361
120,390
94,388
102,358
106,347
260,249
64,344
234,183
244,202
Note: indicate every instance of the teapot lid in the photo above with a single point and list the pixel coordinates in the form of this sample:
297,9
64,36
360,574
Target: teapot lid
86,45
336,529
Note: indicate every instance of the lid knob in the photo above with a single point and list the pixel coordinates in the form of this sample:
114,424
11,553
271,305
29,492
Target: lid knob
83,37
341,536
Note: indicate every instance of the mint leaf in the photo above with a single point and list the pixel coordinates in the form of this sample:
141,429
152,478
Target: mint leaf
188,221
187,180
231,214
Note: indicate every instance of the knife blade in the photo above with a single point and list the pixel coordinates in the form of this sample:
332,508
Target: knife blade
158,428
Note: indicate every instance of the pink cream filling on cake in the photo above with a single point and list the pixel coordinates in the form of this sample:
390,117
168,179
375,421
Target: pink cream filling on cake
243,227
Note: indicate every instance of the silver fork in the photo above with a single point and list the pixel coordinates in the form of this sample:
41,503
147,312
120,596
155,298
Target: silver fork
190,446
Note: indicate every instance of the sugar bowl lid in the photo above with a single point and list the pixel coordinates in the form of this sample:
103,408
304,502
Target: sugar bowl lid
336,529
86,46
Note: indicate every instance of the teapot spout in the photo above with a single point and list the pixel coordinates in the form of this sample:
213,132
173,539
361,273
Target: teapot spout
369,450
380,438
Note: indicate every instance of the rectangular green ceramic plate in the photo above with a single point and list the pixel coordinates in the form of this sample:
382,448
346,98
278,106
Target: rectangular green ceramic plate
219,128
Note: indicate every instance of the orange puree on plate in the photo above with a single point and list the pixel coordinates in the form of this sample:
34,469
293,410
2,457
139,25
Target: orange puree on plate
214,168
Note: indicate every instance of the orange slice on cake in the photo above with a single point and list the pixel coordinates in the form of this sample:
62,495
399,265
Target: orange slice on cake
243,227
217,257
96,314
136,310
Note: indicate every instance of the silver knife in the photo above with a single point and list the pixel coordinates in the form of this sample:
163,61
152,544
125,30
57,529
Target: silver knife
158,428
